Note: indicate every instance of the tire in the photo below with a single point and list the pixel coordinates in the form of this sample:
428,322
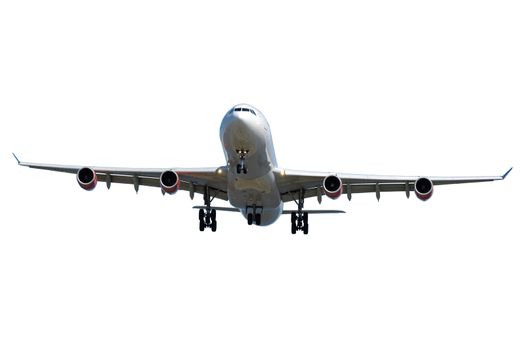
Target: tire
294,228
213,215
201,214
201,225
214,226
294,217
250,219
305,219
258,219
238,169
305,229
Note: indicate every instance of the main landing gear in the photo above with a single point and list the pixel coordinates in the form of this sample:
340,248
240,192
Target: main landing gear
299,222
207,219
208,216
299,217
241,167
254,215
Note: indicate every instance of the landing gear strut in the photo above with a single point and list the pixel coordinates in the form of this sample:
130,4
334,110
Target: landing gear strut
241,167
208,216
299,217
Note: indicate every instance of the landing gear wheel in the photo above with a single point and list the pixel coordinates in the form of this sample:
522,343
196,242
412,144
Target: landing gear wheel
305,223
299,217
258,219
250,219
241,168
207,215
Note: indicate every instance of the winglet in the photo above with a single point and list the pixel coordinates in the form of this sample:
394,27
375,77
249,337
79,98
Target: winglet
507,173
14,155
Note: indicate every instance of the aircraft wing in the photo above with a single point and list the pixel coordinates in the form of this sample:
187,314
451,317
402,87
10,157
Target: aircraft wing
292,182
191,180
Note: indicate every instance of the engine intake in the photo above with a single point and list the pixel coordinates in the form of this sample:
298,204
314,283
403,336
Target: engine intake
333,186
87,178
169,181
423,188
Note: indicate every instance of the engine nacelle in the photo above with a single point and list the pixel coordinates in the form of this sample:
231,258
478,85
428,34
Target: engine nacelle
423,188
333,186
169,181
87,178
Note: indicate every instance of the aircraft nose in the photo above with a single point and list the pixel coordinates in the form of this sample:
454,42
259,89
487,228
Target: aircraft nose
242,120
240,130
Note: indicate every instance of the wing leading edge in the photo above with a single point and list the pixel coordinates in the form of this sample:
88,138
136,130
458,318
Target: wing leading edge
292,182
192,180
289,182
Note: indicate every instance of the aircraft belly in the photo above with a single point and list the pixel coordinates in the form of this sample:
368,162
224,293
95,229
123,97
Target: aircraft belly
260,192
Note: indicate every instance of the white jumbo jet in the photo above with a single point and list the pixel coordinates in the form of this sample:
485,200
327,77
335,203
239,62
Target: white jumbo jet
252,181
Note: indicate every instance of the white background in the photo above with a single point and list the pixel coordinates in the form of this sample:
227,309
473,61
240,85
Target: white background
405,87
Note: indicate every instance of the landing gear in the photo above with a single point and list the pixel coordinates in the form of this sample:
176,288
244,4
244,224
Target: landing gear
299,217
300,222
208,216
254,215
241,167
207,219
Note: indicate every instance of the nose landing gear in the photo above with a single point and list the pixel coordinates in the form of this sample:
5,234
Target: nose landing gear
241,167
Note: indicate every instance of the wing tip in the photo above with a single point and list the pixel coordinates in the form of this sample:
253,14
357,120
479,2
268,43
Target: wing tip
17,160
507,173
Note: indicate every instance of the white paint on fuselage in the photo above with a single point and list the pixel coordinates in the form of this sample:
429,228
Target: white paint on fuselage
244,130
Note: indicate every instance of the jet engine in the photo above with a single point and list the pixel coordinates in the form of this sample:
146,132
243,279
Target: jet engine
423,188
333,186
87,178
169,181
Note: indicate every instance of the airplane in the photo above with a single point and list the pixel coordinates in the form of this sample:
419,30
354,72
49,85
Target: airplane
252,181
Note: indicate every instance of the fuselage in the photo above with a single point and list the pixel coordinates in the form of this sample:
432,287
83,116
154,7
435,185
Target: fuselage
246,138
251,179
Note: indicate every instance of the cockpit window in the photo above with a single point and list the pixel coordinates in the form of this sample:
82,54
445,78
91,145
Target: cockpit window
239,109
